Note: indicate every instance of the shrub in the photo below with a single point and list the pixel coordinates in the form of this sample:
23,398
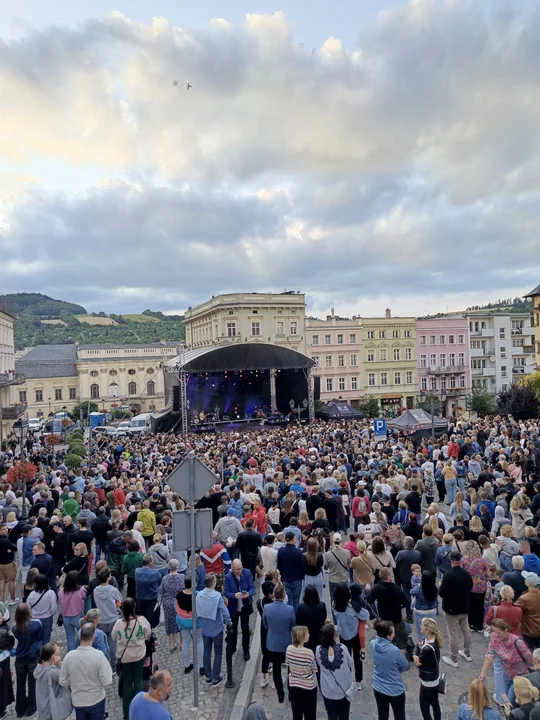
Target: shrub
78,449
73,461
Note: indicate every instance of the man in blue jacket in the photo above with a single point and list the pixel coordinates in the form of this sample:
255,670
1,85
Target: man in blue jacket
278,619
212,612
291,565
239,591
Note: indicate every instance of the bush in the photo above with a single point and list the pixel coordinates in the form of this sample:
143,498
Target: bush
75,437
73,461
78,449
370,407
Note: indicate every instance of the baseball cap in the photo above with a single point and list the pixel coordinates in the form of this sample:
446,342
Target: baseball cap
289,535
337,538
531,578
455,556
230,511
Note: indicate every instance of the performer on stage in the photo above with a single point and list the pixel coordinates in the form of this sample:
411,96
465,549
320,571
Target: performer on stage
217,417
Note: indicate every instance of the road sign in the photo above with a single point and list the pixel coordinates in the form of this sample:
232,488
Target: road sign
379,429
191,491
182,530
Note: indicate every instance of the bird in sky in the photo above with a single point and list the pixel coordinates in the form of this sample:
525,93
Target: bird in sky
188,86
175,83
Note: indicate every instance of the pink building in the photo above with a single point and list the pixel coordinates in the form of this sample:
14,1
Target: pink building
444,365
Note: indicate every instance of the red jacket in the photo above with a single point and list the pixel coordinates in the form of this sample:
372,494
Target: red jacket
213,558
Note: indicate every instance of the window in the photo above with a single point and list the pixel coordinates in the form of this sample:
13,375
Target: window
315,340
150,371
451,339
383,355
132,388
94,391
39,395
432,360
354,383
423,361
371,355
501,333
409,378
329,384
504,387
151,388
395,333
255,328
423,383
370,334
461,339
113,373
94,373
408,353
371,379
384,378
503,352
442,339
327,361
518,342
354,360
443,382
461,359
462,381
503,371
442,360
341,360
433,383
478,364
519,361
397,378
484,325
407,333
231,329
58,393
382,334
432,339
131,371
452,359
280,327
422,339
294,327
72,393
113,390
22,396
452,381
340,339
341,383
352,338
327,339
396,354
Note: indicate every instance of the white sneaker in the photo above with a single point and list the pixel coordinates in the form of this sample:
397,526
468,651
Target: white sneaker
464,655
264,681
359,685
450,662
487,633
15,601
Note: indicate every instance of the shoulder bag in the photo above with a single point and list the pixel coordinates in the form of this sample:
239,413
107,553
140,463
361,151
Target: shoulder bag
350,692
441,687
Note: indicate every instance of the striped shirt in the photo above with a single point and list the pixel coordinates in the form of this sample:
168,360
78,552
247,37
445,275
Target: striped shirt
302,667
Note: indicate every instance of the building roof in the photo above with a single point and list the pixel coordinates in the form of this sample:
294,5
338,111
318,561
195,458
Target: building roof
536,291
126,346
239,356
48,361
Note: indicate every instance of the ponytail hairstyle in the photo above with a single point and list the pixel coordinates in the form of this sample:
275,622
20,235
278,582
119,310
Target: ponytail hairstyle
90,617
432,627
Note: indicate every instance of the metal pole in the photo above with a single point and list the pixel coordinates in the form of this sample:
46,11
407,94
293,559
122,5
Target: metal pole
432,421
273,397
191,460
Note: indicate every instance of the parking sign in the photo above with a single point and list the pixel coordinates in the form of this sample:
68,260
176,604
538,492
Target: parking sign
379,429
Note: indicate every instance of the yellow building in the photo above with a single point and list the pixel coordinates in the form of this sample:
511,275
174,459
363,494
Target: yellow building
51,381
535,297
10,409
389,361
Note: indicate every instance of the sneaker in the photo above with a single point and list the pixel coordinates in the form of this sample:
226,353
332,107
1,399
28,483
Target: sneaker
495,699
201,672
449,661
464,655
208,681
188,669
487,633
359,685
362,655
15,601
264,681
218,682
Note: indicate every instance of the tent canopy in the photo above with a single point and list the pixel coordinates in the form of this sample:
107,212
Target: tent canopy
412,420
339,409
240,356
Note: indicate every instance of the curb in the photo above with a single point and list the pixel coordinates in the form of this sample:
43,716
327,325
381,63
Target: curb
243,696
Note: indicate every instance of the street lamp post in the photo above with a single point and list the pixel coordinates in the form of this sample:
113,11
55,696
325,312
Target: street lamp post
300,408
20,428
49,407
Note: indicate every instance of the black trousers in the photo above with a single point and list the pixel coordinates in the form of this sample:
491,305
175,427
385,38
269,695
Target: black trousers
266,660
131,588
385,701
353,646
25,703
242,617
476,610
303,703
147,608
337,709
277,658
429,698
6,686
441,489
119,577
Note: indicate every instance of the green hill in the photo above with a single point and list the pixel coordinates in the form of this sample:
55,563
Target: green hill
37,304
517,304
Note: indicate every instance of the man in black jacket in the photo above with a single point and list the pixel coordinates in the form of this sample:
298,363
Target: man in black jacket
390,601
404,561
455,587
248,543
100,528
8,569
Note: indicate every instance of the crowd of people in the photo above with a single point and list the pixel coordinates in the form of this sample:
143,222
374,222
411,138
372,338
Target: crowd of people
395,533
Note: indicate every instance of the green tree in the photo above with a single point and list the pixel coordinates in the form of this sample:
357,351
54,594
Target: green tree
520,401
75,413
480,402
370,406
426,402
73,461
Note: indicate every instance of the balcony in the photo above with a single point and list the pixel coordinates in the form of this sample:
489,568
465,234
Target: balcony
482,352
11,378
12,412
446,369
485,372
528,349
518,370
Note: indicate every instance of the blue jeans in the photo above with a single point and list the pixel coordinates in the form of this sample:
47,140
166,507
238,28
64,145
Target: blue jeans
418,616
316,581
503,684
187,636
94,712
46,629
294,591
506,562
163,572
101,547
213,672
71,626
451,488
461,483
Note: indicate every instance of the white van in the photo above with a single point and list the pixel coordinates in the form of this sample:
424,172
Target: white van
140,423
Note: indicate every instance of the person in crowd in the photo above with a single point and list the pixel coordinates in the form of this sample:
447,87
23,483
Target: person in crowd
160,555
131,560
427,657
147,582
72,598
148,519
427,547
514,578
130,632
337,562
239,591
507,611
426,597
382,558
171,584
526,698
44,563
279,620
388,665
248,544
7,642
108,600
478,568
184,620
213,613
314,563
336,673
363,566
87,673
78,564
148,705
391,601
348,627
302,680
291,566
100,639
455,589
478,707
267,590
8,567
53,700
312,613
42,602
28,633
529,603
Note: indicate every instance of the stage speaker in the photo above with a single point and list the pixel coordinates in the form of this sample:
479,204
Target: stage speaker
176,398
317,387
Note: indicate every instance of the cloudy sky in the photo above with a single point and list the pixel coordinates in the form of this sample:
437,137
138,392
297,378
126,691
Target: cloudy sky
371,154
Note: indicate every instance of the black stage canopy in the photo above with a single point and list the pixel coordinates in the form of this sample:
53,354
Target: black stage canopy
339,410
240,356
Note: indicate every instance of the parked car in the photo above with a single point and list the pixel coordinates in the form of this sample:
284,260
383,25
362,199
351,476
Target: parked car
105,430
140,423
35,424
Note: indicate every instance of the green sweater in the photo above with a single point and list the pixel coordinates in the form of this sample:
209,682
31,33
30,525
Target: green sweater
130,562
71,507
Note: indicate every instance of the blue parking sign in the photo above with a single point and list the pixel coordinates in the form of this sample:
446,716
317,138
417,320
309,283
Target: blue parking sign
379,428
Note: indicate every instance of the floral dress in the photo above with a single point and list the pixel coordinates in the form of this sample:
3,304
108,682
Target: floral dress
514,654
479,571
171,585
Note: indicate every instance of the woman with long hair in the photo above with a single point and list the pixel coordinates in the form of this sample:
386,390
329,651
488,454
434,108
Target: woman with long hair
426,597
72,598
363,566
336,673
42,603
478,707
427,658
520,514
312,613
29,635
302,680
131,632
313,563
382,558
526,696
478,567
388,664
184,620
460,506
347,621
53,700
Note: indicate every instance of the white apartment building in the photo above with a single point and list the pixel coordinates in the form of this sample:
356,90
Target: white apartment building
9,410
501,348
336,346
277,318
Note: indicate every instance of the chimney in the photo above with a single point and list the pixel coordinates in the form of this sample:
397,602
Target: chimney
388,313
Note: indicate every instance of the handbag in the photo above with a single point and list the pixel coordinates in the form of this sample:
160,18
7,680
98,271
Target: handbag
441,687
522,657
350,692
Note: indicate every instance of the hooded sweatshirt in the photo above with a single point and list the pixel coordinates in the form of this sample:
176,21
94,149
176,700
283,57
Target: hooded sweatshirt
499,521
388,664
228,527
60,708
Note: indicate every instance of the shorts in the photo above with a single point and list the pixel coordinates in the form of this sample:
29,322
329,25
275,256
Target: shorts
8,572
